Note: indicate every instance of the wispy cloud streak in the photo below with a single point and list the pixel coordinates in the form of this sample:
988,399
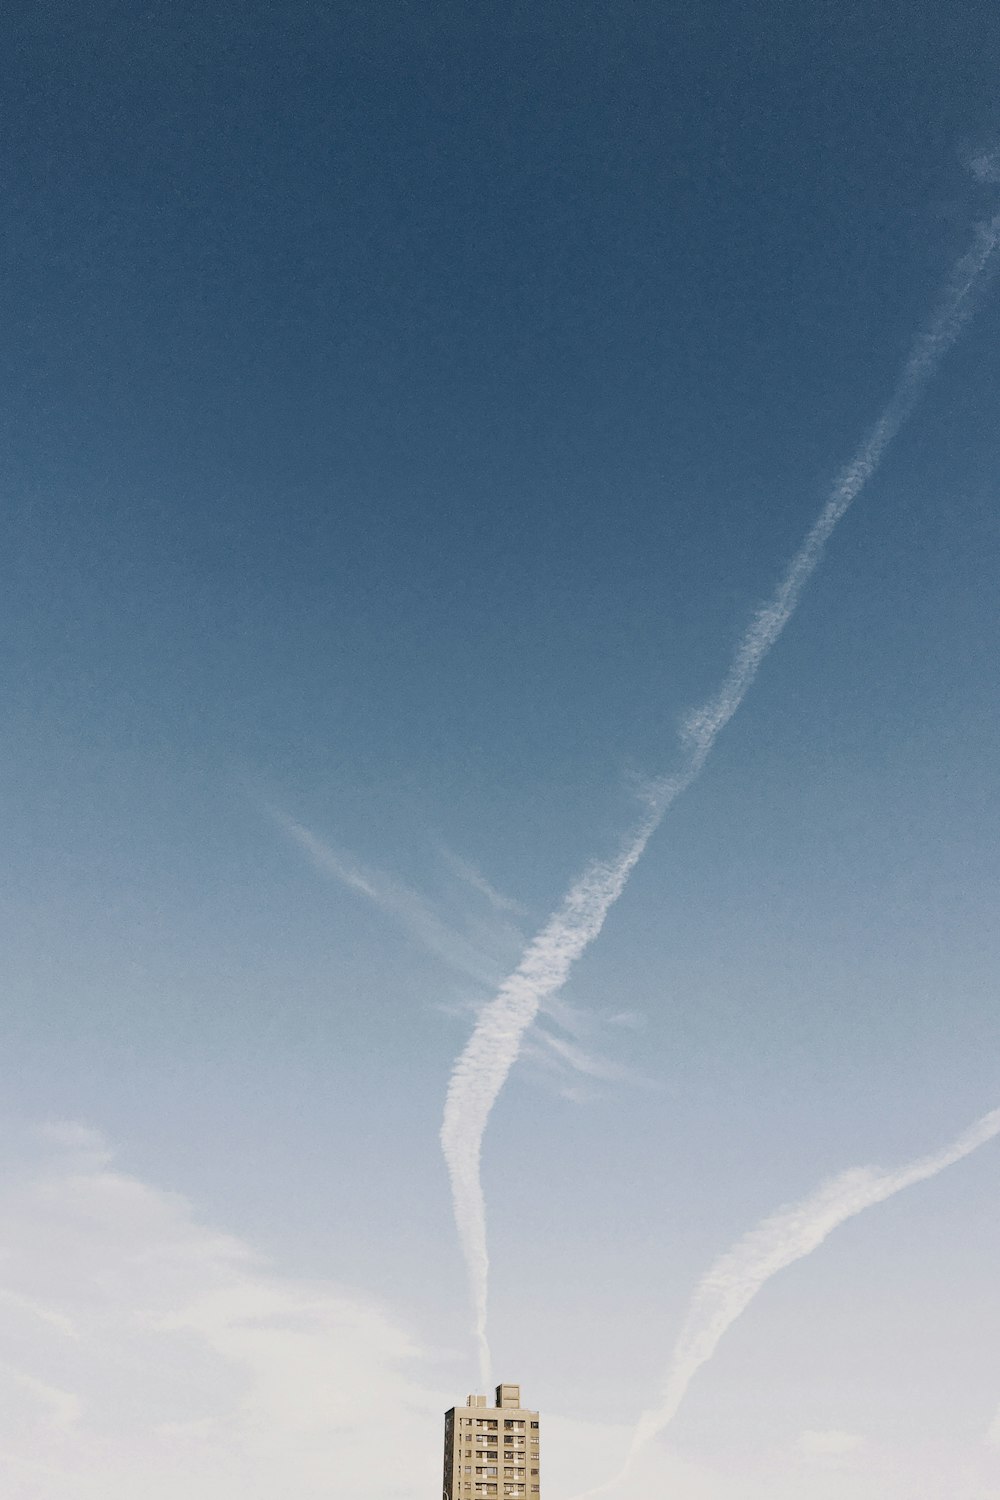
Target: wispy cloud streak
483,1066
778,1241
409,908
474,878
582,1061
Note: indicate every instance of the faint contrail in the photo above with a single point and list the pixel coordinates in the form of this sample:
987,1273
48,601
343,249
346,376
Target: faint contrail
482,1068
793,1232
406,905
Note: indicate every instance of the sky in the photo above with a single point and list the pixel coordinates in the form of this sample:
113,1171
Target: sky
408,410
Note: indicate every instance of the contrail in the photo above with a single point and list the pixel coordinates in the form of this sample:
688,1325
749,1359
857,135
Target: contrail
793,1232
482,1067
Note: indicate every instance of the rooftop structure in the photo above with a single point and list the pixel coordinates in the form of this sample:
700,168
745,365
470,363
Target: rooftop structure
491,1451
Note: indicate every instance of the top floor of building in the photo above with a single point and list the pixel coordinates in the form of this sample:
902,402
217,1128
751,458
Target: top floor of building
507,1415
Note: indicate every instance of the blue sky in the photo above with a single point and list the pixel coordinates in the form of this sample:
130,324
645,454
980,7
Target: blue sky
405,410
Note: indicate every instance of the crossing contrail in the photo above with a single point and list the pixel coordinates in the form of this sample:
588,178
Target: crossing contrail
778,1241
482,1067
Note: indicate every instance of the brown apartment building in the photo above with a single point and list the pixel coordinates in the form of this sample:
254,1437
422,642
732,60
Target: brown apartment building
491,1450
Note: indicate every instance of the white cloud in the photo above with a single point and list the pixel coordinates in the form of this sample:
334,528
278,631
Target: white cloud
819,1465
985,165
178,1362
828,1443
148,1353
630,1019
992,1438
88,1147
58,1407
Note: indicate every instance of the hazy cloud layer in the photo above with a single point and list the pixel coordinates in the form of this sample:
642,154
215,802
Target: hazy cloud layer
147,1353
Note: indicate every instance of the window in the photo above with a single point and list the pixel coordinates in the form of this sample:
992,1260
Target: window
535,1425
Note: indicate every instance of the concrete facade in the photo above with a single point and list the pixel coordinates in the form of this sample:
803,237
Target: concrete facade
491,1451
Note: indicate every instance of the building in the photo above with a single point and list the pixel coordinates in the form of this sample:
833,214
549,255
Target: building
491,1450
